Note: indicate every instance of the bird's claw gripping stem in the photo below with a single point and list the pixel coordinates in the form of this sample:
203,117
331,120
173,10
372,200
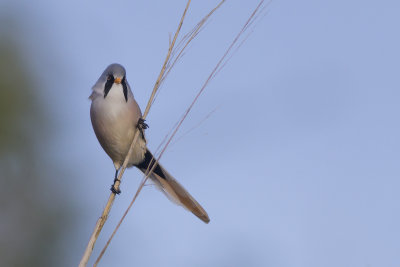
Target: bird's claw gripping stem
142,125
115,190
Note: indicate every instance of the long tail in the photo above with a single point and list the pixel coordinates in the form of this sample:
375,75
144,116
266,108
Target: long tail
172,188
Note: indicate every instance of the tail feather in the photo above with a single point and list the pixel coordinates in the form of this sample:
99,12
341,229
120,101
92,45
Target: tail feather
172,188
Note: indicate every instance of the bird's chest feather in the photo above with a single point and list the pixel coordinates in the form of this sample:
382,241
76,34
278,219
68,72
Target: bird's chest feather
114,118
114,121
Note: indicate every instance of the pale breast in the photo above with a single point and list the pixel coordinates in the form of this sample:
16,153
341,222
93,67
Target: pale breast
114,121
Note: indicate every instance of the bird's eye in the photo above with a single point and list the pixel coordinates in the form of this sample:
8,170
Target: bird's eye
109,77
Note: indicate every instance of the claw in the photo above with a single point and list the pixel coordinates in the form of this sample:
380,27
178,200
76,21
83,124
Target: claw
141,124
114,190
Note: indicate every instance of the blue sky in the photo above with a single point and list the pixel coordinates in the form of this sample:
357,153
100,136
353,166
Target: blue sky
298,165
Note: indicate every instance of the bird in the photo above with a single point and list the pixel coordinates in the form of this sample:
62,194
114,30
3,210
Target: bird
116,116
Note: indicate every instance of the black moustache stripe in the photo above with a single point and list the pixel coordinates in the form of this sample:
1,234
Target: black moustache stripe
108,85
125,89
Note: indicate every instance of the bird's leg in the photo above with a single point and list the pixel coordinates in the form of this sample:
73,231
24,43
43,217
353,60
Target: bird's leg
142,126
116,176
113,188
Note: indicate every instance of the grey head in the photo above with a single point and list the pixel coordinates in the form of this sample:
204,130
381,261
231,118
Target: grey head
117,70
113,74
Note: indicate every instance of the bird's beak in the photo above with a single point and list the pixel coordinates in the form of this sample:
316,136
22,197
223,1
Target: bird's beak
117,80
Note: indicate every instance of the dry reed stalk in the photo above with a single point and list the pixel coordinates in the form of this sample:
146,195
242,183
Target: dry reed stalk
164,72
103,218
217,68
